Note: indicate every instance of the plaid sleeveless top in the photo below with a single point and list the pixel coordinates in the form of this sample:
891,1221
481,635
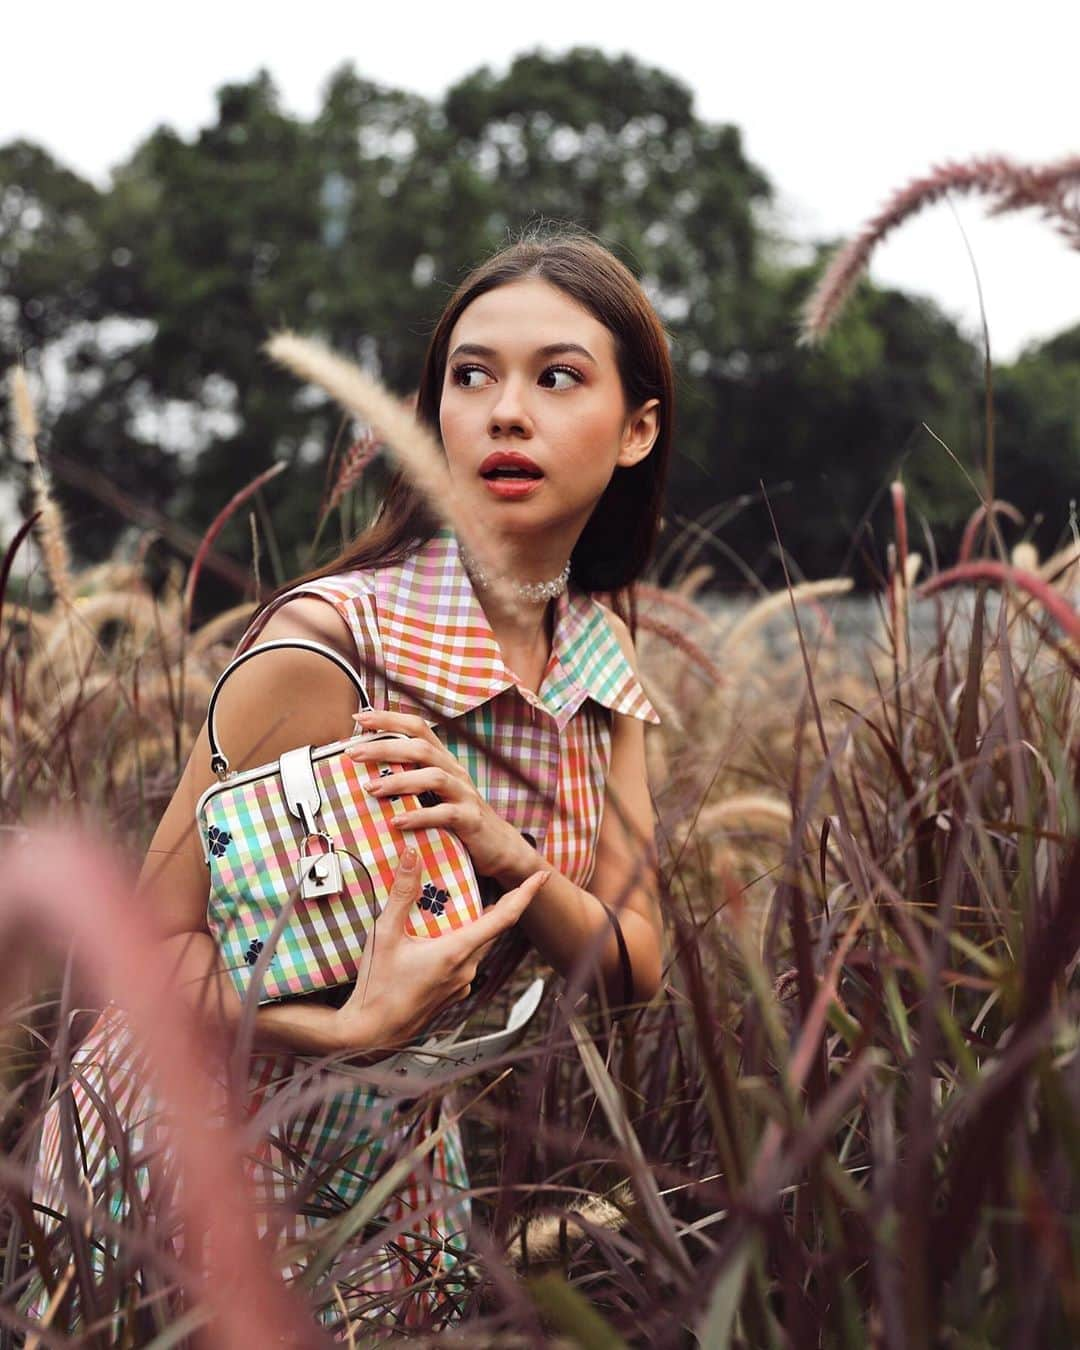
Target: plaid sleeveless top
424,645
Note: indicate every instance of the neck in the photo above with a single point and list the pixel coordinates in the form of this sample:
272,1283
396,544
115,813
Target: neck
522,621
521,624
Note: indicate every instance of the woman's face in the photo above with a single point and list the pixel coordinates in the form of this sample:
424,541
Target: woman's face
561,412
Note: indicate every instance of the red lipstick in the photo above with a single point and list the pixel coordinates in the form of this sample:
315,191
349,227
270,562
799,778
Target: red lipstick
510,474
511,461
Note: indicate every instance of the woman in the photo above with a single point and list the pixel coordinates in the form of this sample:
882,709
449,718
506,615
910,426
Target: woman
549,383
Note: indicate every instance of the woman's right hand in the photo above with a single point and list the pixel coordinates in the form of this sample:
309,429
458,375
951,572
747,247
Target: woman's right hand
403,981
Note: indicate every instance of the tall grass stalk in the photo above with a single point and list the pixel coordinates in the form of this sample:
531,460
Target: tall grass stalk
849,1119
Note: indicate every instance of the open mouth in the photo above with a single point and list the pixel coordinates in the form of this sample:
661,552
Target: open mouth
510,467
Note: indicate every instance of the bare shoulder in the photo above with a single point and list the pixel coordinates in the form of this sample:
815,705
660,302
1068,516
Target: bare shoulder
276,701
306,616
289,697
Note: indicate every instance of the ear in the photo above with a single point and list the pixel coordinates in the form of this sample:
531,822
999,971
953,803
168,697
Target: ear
639,434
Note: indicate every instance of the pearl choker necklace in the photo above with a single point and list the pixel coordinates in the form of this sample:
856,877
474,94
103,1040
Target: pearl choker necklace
524,590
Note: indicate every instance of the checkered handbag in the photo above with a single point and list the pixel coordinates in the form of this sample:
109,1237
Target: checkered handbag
301,859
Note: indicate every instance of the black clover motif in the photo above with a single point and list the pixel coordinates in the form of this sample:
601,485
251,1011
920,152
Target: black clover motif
252,953
218,840
433,898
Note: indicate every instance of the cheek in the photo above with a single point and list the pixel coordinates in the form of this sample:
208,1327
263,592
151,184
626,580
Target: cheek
453,427
591,445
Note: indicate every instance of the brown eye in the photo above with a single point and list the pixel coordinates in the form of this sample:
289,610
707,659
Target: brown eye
459,373
576,376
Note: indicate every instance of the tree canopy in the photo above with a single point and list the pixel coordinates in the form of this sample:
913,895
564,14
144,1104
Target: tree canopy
155,294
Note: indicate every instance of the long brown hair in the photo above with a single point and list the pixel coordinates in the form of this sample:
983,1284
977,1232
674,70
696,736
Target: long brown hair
618,539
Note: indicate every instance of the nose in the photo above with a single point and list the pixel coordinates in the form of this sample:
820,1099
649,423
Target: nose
509,413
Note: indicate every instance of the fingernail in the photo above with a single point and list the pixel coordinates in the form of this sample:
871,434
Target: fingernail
409,858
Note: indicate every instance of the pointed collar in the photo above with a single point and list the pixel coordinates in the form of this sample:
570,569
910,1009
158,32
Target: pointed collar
436,640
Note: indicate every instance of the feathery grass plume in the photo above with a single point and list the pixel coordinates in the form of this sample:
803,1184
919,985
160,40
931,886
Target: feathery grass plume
764,610
747,810
676,600
1002,575
79,631
543,1238
221,628
897,569
679,640
52,536
22,617
114,574
1013,185
1055,189
688,586
353,463
1025,556
410,442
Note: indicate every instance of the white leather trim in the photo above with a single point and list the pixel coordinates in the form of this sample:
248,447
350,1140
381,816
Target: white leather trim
298,782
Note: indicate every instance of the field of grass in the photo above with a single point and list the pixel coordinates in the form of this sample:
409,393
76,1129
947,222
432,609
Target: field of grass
850,1119
852,1116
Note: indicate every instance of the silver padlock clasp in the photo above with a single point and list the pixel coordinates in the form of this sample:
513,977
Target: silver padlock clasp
319,874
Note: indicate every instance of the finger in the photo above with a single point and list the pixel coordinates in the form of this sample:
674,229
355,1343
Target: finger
404,892
406,750
383,719
500,916
445,815
414,781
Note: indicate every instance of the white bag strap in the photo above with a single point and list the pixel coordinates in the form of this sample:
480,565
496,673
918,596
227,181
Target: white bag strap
299,786
218,762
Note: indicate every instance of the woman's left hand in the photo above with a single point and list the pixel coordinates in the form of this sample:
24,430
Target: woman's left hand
491,841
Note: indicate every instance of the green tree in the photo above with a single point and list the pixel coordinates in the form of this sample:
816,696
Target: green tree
357,224
825,430
67,286
1037,437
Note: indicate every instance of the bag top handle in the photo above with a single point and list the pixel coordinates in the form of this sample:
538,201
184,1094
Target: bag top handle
218,762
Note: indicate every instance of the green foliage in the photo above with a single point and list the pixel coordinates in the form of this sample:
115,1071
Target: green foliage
1037,419
828,428
159,290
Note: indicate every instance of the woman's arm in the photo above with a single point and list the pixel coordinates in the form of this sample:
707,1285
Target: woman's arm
305,1027
284,699
269,705
402,981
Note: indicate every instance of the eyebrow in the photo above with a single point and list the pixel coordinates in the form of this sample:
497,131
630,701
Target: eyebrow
552,349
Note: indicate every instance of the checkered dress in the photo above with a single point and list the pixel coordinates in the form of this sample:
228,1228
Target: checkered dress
541,760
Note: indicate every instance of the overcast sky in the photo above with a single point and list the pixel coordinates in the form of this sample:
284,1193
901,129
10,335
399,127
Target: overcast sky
838,102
